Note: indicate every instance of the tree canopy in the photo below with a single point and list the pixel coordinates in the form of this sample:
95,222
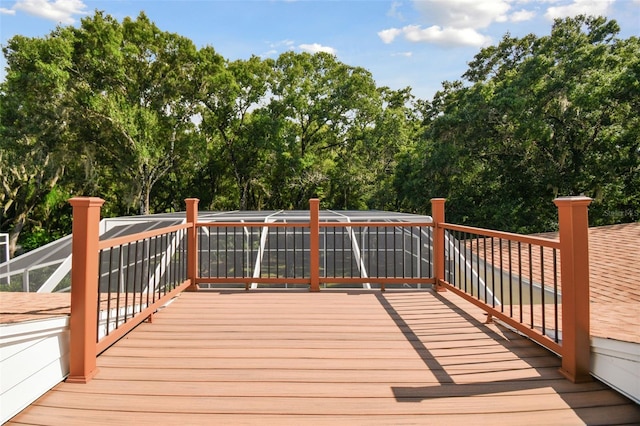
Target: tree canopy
541,117
143,118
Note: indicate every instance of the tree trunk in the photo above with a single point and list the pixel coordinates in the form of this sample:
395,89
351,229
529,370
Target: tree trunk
145,199
14,234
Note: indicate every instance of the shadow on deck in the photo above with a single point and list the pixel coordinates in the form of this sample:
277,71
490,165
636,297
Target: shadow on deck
354,357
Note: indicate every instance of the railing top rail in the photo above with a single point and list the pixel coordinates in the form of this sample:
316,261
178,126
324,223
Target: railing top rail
374,224
325,224
527,239
252,224
125,239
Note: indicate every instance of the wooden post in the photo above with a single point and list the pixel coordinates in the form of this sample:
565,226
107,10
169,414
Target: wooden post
192,243
84,288
573,222
437,213
314,244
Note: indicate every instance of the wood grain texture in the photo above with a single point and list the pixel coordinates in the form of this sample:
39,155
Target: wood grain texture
326,358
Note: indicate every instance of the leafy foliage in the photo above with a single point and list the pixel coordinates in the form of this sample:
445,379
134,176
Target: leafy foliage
142,118
542,117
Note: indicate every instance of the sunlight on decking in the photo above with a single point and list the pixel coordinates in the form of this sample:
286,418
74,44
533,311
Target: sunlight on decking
274,357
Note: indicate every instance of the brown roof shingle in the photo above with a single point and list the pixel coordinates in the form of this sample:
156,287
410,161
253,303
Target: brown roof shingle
614,266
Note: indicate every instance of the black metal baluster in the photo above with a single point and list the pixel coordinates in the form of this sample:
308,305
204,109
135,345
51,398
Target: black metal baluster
394,253
501,278
244,255
100,272
520,279
304,249
226,252
493,274
268,251
363,248
542,294
126,285
170,262
295,261
286,253
163,274
460,268
148,267
134,310
156,279
119,286
531,285
412,231
109,291
510,280
466,253
201,234
484,260
555,294
217,257
453,235
344,249
402,234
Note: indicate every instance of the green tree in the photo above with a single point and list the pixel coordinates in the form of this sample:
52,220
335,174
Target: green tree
319,101
133,87
542,117
230,93
560,112
36,135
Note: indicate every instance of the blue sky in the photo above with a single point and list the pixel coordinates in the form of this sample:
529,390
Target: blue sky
403,43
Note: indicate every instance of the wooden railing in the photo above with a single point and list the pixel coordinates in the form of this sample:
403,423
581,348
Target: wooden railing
538,286
118,283
315,253
516,276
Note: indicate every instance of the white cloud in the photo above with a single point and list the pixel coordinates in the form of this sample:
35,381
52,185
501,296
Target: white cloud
522,15
579,7
5,11
315,48
285,43
394,11
437,35
62,11
405,54
463,13
387,36
274,48
458,22
445,36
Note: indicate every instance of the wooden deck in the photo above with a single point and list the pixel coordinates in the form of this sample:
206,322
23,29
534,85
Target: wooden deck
328,358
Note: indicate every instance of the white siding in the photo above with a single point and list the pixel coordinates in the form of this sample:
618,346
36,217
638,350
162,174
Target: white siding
617,364
34,357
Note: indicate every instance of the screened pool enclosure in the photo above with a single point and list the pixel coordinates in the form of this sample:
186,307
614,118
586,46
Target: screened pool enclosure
271,249
250,244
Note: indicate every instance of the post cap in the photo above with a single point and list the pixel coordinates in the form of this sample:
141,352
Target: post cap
574,200
86,201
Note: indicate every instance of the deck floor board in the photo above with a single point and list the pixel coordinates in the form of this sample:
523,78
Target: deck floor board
326,358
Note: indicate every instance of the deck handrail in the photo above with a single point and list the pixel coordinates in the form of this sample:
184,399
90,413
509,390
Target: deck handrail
526,239
442,263
568,286
108,296
236,260
125,239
